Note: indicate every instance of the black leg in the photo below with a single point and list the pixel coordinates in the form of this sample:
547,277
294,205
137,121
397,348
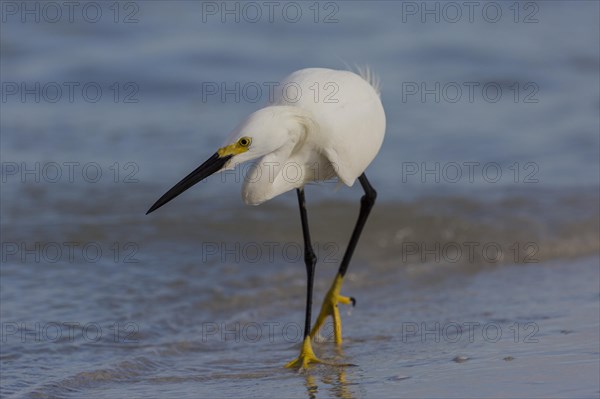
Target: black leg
366,204
333,297
310,260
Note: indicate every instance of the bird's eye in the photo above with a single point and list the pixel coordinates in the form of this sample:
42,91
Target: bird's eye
244,141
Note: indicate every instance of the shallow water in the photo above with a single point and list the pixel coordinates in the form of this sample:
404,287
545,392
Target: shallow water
500,332
205,297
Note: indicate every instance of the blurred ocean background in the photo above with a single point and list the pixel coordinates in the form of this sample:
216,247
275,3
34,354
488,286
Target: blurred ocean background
205,298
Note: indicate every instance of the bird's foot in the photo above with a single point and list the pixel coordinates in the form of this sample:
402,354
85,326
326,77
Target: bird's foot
330,308
307,356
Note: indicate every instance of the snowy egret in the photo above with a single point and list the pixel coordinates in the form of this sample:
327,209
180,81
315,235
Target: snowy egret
335,136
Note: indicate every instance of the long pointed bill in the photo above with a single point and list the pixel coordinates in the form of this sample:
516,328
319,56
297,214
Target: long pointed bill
212,165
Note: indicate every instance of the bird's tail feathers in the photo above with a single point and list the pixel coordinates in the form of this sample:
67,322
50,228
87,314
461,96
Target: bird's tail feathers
366,73
369,76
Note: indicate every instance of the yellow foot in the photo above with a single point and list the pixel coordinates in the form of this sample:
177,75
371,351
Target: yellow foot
330,308
307,356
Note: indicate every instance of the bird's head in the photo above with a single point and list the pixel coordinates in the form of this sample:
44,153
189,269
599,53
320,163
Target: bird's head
263,132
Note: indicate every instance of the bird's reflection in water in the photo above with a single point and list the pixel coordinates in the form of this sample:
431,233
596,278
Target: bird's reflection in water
332,378
311,386
333,383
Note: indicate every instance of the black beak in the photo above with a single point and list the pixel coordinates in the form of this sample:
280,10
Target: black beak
212,165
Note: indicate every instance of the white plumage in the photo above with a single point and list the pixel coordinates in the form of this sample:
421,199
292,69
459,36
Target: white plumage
333,126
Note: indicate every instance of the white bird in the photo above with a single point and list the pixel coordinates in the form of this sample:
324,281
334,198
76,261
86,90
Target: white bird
332,126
